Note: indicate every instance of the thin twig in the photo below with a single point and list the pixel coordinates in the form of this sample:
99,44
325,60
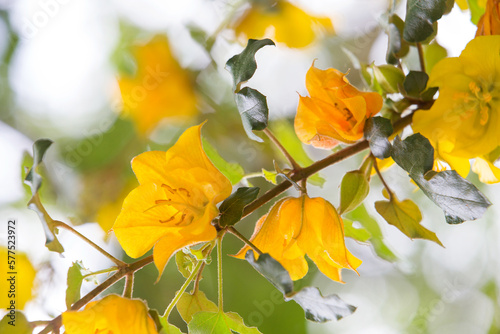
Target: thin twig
377,170
421,56
198,279
240,236
283,150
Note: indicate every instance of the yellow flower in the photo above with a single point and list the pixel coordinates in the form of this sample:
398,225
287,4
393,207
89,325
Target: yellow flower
489,23
111,315
175,203
160,88
464,122
23,280
336,110
298,226
281,21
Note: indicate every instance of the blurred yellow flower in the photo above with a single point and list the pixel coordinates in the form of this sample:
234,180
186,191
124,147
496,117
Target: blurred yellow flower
22,292
489,23
336,110
280,21
160,88
464,121
175,203
111,315
298,226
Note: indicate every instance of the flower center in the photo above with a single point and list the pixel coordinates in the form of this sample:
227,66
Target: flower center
477,102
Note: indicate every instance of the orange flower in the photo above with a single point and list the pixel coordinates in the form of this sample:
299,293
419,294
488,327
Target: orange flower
290,24
111,315
298,226
175,203
336,110
489,23
159,89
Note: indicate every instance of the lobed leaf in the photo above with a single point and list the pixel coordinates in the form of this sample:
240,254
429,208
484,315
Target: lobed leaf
190,304
219,323
377,131
242,66
272,270
74,282
232,208
420,16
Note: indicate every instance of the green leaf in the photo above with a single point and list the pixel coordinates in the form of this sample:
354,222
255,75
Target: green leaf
74,281
33,179
232,170
270,176
406,217
388,77
377,131
232,208
252,106
162,325
420,16
242,66
184,263
190,304
354,188
321,309
219,323
476,11
170,329
15,323
285,133
433,53
415,83
458,198
360,234
397,47
49,226
272,270
415,154
377,239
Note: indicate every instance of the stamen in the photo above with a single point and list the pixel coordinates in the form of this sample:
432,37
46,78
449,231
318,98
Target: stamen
170,219
172,190
163,201
185,190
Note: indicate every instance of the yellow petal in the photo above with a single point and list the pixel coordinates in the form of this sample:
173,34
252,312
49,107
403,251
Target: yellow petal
23,281
487,172
112,314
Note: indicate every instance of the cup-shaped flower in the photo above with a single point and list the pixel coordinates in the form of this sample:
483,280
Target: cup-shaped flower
335,111
489,23
158,89
298,226
175,203
290,24
464,121
111,315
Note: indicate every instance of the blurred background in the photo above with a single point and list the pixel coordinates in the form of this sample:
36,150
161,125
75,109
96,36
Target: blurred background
108,80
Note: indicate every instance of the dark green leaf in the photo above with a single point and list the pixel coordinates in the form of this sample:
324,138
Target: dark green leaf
353,190
321,309
190,304
232,170
415,83
232,208
420,16
406,217
415,154
74,281
458,198
397,47
242,66
377,239
272,270
15,324
219,323
252,106
377,130
33,179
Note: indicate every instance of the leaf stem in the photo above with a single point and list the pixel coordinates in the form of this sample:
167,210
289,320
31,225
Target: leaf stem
283,150
104,271
377,170
183,288
240,236
421,56
198,279
118,262
219,272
